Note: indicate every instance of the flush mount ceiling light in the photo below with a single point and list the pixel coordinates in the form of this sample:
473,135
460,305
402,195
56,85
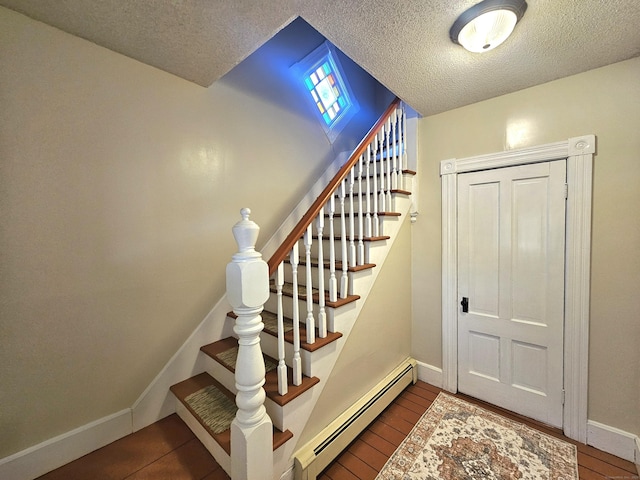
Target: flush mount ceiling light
487,24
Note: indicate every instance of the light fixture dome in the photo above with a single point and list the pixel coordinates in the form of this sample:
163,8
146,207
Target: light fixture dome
487,24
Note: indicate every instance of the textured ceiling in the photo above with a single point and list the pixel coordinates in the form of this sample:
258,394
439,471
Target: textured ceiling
404,44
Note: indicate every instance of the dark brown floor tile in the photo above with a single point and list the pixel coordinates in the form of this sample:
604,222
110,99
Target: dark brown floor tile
337,472
129,454
377,442
217,474
189,462
356,466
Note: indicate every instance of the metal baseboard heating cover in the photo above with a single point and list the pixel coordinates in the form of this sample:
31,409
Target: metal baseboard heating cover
316,455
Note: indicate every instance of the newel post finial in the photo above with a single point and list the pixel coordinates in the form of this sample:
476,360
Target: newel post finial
247,291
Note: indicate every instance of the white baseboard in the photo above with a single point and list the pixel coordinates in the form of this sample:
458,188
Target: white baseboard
612,440
637,454
430,374
58,451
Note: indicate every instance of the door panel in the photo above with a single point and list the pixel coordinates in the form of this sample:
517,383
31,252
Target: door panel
511,224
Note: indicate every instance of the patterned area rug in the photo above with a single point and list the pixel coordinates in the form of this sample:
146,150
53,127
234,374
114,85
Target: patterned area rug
455,440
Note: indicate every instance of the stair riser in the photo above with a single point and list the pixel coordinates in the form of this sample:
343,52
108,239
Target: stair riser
302,276
287,307
367,246
277,413
389,205
399,184
207,440
337,227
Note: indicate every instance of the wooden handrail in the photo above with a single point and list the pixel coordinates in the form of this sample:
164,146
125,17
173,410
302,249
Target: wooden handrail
297,232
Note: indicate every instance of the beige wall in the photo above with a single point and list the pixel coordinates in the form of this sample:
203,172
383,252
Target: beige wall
379,340
605,102
119,184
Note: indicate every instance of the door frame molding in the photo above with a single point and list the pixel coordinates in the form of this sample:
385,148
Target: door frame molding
578,151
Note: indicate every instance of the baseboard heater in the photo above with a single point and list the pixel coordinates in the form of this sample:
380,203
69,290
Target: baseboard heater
316,455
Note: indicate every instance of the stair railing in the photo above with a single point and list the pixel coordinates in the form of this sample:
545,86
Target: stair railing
362,189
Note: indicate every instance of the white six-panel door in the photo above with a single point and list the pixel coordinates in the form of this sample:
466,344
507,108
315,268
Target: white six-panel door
511,233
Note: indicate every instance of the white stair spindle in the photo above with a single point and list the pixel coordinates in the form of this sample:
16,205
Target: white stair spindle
387,162
394,151
344,279
360,217
283,387
403,145
368,232
352,233
296,364
376,220
383,179
322,315
247,291
333,282
310,321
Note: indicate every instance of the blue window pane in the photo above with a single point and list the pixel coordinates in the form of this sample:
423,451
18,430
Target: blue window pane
308,83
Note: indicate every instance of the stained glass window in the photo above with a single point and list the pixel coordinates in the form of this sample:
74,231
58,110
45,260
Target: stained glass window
327,88
326,91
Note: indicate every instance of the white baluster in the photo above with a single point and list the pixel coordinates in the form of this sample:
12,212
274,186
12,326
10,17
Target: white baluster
394,151
247,290
376,220
360,217
283,387
310,321
383,179
344,279
322,315
387,162
368,227
333,282
352,233
403,144
296,364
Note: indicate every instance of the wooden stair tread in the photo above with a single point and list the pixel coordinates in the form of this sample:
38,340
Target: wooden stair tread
270,318
380,214
393,191
314,264
194,384
288,336
229,344
302,293
379,238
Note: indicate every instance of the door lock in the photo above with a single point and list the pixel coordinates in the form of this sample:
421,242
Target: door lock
465,304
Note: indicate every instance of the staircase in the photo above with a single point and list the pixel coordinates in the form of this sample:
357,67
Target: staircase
318,278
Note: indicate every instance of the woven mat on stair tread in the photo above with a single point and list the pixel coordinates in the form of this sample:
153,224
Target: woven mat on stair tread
228,357
302,290
457,440
216,410
271,322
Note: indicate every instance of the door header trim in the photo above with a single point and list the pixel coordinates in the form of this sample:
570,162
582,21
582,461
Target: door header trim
583,145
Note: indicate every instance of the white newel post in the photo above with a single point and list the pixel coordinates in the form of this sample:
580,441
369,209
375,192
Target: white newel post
247,291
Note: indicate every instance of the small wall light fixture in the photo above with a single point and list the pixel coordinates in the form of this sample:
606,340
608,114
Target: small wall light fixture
487,24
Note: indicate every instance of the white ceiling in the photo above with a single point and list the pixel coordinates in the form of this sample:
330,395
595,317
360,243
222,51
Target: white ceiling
404,44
